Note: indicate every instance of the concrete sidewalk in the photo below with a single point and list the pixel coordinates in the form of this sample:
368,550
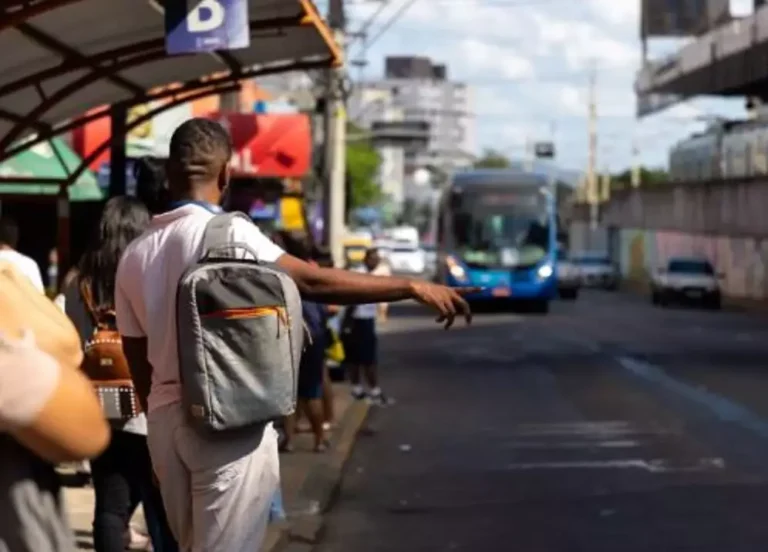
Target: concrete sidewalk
309,481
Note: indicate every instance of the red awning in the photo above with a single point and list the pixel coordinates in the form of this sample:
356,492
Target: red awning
270,145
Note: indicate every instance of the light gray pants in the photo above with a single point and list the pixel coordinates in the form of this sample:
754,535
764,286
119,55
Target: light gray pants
216,490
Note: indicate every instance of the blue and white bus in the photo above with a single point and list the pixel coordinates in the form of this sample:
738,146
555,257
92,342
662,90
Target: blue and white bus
497,229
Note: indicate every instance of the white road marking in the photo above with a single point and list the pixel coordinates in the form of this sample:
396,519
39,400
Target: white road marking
589,430
651,466
620,444
725,409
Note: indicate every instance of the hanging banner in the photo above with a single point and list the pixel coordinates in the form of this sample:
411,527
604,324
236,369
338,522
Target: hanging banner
193,26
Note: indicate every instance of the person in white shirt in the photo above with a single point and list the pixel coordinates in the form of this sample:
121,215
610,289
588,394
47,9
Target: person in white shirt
361,342
217,491
383,269
9,240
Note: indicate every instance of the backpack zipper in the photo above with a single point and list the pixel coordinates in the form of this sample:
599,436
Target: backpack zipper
246,312
250,313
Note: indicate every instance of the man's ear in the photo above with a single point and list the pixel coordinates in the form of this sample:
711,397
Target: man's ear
224,177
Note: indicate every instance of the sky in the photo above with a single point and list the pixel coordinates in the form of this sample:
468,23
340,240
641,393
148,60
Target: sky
528,63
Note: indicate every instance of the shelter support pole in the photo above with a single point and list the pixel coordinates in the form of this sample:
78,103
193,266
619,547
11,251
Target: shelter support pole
117,160
63,233
335,143
592,177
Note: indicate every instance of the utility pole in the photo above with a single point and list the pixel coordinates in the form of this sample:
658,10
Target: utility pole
552,162
335,141
529,153
635,177
592,184
606,185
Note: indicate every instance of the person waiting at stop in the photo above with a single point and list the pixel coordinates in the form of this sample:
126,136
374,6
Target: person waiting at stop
361,342
310,388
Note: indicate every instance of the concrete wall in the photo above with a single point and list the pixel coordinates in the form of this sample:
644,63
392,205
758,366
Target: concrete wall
744,261
726,222
583,238
735,208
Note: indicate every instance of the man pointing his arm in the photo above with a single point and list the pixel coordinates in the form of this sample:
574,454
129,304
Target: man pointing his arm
217,492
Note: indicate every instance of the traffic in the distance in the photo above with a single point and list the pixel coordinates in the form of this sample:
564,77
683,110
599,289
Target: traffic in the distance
500,230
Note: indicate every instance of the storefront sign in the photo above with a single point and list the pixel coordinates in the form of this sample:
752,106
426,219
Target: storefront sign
206,25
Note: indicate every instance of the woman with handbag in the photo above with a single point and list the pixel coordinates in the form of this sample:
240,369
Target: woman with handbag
124,470
48,415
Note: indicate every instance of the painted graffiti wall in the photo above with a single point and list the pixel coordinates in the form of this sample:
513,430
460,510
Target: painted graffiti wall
743,261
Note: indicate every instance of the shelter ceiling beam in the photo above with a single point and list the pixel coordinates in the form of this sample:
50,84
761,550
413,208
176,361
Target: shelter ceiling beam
13,13
229,60
65,91
183,89
109,56
70,54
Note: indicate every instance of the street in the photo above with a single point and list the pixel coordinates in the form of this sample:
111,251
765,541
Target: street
607,425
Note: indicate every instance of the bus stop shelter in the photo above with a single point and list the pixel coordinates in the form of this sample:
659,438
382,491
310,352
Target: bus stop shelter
63,58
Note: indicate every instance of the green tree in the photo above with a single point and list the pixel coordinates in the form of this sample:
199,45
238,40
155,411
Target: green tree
363,164
492,159
649,177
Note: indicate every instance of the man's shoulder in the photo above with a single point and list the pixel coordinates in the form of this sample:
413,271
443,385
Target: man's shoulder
24,262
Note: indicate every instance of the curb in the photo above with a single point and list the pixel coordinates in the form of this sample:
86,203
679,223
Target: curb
321,485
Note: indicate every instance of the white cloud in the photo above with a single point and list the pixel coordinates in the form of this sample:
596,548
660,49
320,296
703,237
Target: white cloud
483,56
529,65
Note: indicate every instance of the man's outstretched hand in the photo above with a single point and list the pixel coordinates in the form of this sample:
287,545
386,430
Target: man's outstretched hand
445,300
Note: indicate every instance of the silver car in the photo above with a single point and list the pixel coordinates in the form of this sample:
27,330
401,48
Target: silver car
568,277
597,271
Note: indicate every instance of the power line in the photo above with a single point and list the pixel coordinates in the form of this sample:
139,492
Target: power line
365,26
391,21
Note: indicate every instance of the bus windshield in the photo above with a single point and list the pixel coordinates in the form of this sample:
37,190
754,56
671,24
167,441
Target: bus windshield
502,230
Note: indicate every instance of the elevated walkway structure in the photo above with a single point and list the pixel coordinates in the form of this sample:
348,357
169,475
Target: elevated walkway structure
729,60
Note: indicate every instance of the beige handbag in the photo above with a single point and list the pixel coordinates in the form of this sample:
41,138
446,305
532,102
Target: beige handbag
24,309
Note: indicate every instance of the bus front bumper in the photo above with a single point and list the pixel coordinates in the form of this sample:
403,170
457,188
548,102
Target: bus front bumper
525,291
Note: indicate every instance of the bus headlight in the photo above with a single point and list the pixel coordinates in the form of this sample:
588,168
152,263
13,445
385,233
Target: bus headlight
545,271
456,270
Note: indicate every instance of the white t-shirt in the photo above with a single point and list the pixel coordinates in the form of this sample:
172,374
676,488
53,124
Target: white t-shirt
26,265
148,276
365,311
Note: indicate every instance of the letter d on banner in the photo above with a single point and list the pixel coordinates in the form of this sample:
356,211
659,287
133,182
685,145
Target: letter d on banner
193,26
207,16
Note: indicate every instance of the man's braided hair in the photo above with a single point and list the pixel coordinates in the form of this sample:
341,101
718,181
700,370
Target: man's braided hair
199,150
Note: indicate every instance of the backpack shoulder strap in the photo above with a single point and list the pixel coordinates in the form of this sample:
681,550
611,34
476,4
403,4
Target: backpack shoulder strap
216,242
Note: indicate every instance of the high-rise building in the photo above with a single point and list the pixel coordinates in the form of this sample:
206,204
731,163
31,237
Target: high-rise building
420,91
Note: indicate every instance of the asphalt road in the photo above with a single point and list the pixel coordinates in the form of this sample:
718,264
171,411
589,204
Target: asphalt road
607,425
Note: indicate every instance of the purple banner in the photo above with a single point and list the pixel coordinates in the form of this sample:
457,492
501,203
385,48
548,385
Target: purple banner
193,26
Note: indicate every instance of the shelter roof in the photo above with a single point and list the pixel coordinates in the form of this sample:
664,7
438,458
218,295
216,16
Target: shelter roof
64,57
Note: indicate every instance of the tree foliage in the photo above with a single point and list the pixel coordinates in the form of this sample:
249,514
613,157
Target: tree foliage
492,159
649,177
363,164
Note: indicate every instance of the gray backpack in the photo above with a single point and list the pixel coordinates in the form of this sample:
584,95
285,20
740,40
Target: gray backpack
240,334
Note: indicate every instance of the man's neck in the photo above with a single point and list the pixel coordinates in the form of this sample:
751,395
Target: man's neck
200,192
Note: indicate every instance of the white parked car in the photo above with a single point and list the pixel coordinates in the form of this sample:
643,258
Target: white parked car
406,259
430,259
597,270
568,277
686,280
